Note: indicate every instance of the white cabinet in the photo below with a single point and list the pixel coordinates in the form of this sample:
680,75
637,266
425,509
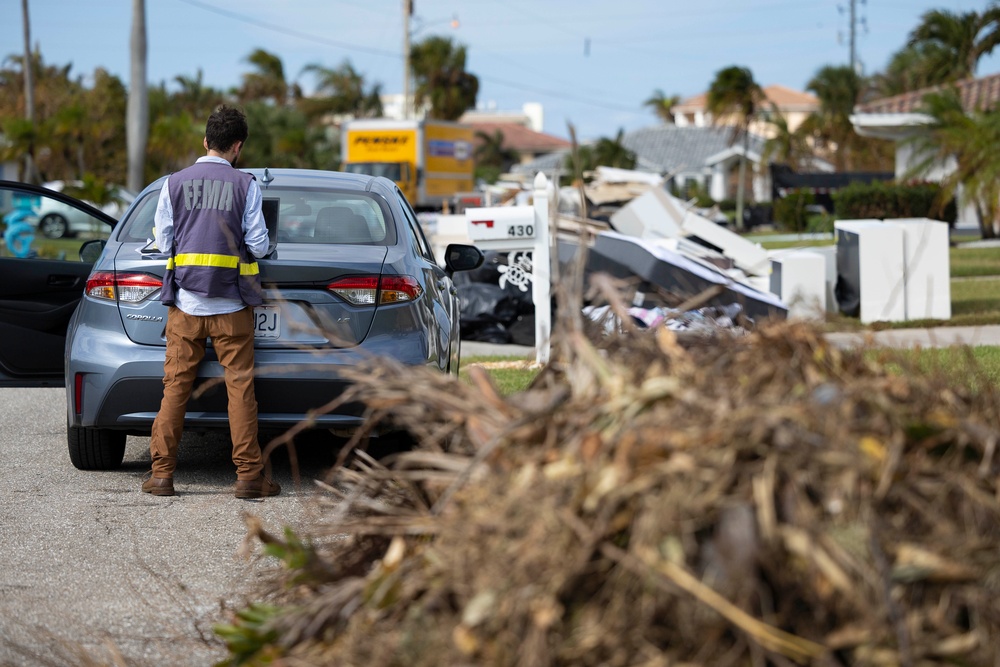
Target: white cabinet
799,279
926,268
870,270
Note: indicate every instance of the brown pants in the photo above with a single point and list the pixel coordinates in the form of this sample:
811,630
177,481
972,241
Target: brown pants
232,338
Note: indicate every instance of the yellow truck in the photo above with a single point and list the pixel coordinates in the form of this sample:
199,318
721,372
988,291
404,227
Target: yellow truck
430,160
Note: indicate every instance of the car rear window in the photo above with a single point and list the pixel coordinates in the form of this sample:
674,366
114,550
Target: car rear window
300,216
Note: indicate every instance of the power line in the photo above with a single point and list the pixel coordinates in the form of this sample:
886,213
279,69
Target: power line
236,16
287,31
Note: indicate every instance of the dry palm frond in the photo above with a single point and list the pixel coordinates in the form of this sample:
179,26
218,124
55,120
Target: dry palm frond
653,500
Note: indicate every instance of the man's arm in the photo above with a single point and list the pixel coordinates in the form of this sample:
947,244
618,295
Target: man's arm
163,221
254,227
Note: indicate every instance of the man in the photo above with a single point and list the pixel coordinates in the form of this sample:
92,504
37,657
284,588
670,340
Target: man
208,219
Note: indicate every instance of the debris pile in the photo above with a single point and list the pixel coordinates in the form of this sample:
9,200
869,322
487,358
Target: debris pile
652,500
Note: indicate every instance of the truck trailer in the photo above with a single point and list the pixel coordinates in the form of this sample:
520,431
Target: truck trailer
430,160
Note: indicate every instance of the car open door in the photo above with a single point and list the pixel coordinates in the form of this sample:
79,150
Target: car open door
41,282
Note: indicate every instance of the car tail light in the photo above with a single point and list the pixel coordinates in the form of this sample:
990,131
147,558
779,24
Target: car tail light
371,290
127,287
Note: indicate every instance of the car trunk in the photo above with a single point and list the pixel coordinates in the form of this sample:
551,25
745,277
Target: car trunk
299,310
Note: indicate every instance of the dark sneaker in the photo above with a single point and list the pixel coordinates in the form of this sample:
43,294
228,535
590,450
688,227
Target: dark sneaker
158,486
256,488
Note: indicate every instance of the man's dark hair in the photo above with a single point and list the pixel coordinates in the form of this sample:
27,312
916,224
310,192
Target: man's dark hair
225,127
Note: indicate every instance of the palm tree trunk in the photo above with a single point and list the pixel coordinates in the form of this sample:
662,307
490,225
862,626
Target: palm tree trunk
30,170
137,126
987,228
739,184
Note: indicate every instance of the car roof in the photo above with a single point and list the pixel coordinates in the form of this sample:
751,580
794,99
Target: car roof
313,178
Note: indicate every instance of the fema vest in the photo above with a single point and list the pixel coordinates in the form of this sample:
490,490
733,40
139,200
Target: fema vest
209,256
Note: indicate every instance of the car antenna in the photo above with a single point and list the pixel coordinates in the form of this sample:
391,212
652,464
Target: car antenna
267,178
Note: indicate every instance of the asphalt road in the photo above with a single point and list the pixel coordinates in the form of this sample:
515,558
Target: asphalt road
88,561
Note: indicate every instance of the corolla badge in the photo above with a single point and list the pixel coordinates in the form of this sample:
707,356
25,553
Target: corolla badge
144,318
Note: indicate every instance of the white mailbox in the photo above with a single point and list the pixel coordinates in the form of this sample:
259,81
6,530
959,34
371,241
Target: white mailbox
521,228
503,227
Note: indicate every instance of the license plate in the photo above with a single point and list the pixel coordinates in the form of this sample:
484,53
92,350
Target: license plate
266,322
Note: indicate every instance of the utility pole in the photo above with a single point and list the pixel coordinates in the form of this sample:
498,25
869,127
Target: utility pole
407,13
855,21
853,36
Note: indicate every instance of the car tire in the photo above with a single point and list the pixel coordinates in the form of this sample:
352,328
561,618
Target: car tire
53,226
95,448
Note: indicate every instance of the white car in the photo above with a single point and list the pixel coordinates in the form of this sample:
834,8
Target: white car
56,220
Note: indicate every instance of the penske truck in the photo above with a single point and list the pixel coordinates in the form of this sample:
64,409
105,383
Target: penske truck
430,160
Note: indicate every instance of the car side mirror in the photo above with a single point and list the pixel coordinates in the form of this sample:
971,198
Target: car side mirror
461,257
91,250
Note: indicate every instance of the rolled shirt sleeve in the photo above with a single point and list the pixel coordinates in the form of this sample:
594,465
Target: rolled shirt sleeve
254,227
163,220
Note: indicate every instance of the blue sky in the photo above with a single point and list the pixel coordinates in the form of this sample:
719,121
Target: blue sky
589,62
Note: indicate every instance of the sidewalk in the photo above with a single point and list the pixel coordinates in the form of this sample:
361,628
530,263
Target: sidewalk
925,338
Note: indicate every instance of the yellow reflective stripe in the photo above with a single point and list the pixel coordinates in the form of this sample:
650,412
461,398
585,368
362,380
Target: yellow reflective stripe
207,259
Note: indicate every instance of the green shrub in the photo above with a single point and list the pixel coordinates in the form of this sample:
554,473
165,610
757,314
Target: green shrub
693,190
791,212
893,200
819,223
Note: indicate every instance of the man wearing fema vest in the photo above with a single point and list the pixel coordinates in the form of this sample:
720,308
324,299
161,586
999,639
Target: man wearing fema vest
209,221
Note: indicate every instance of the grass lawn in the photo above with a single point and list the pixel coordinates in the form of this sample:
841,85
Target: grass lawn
974,262
510,375
977,368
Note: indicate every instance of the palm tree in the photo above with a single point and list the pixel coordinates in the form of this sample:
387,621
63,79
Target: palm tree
613,153
838,88
194,97
491,152
137,127
661,105
969,140
914,67
965,37
342,91
604,152
441,80
68,128
786,146
268,82
736,98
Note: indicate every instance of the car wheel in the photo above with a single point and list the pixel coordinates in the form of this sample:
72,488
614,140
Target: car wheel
95,448
53,226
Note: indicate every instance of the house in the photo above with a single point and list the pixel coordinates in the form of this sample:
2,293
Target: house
794,105
700,156
522,130
898,119
528,143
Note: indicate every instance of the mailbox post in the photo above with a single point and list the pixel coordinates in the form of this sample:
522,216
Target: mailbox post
524,229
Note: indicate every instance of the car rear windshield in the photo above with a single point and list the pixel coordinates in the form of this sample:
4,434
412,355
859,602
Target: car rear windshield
299,216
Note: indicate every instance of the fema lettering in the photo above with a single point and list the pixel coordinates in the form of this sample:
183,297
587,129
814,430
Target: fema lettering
382,141
199,193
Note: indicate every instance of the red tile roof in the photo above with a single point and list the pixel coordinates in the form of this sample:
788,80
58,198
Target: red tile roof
982,94
521,138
